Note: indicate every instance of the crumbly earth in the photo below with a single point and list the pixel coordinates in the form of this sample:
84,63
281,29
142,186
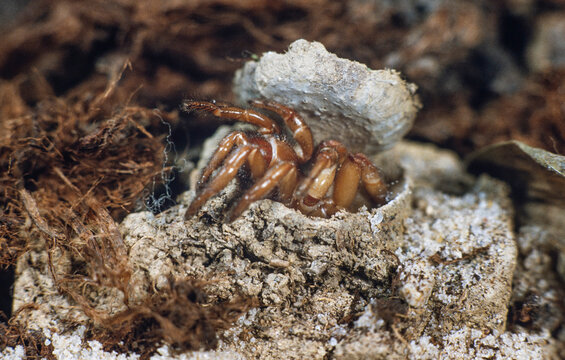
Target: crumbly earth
427,276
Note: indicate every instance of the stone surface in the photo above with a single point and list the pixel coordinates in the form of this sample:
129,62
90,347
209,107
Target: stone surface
535,174
464,343
368,110
34,284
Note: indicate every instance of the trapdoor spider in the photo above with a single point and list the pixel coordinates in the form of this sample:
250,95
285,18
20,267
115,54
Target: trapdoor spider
273,163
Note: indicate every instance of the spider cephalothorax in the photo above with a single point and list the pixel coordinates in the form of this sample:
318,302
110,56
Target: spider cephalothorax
274,163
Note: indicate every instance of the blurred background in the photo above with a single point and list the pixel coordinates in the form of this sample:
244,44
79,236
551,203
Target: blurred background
487,70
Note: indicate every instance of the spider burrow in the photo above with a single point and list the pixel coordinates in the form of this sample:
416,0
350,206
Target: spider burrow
273,163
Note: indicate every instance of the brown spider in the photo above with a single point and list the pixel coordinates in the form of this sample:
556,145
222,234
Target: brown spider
272,162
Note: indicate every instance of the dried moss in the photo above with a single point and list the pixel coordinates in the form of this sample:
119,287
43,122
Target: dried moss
71,167
12,334
180,315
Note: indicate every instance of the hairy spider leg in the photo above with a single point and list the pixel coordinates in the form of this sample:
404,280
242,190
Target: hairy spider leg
300,130
263,122
221,180
264,186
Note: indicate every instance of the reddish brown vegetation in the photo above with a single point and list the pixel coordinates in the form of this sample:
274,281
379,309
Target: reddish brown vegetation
71,167
175,315
11,334
534,115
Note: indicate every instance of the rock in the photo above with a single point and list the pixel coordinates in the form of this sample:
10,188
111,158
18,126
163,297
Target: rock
34,284
464,343
367,110
535,174
537,178
547,48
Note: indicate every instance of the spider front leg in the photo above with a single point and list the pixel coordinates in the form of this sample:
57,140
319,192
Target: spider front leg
347,182
265,124
284,175
334,166
231,166
330,154
372,179
226,145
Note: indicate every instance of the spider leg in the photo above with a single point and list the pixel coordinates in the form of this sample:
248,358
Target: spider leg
324,208
354,170
372,179
224,148
276,175
300,130
265,124
221,180
347,182
330,154
287,186
317,185
257,163
323,161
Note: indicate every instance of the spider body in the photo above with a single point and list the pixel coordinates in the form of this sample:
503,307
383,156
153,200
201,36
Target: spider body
272,162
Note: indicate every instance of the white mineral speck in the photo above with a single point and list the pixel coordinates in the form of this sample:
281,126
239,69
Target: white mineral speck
17,353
